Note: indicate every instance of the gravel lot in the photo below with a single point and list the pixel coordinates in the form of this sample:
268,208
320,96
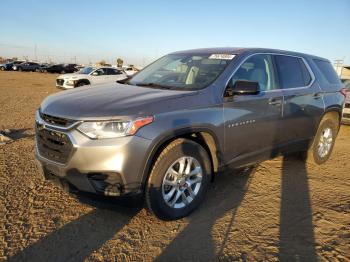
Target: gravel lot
282,211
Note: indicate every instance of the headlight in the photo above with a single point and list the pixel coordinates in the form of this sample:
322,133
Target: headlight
113,129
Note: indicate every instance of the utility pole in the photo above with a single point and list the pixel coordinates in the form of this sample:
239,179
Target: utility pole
338,64
35,53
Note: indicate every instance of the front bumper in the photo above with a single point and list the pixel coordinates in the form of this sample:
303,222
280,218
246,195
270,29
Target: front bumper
109,167
62,84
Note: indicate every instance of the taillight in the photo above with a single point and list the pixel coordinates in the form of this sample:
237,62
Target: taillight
343,91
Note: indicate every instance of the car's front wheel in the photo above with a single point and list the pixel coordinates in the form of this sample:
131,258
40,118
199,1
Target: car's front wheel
2,68
324,140
178,180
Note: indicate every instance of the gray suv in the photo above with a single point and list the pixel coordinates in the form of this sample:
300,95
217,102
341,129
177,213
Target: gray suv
171,127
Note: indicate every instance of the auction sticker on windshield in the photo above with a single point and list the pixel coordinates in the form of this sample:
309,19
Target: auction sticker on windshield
222,56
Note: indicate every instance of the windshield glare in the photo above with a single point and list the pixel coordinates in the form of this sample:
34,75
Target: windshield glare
86,70
181,71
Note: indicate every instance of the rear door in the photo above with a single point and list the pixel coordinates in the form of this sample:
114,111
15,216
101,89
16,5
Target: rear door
303,103
252,122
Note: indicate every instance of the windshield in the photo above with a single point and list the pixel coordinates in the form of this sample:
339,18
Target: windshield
86,70
182,71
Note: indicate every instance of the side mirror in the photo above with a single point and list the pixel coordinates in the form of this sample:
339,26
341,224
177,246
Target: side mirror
94,74
242,88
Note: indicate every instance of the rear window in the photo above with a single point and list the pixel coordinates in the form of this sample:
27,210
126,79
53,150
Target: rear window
292,72
327,71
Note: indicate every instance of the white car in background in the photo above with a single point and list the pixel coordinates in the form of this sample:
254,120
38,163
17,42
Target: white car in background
90,76
346,109
130,70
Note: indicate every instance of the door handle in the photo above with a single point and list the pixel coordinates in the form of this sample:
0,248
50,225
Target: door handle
317,95
275,101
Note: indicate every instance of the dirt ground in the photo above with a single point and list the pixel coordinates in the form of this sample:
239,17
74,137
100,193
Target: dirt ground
282,211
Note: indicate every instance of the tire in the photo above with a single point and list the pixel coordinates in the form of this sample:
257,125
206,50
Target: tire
63,72
180,150
2,68
19,69
81,84
315,154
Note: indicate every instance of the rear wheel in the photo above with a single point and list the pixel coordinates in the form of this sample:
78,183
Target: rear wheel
20,69
323,143
2,68
178,180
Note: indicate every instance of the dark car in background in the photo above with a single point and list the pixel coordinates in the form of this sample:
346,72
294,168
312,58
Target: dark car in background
60,68
8,66
26,66
169,129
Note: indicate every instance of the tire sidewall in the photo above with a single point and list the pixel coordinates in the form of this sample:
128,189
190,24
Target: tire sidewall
154,187
324,124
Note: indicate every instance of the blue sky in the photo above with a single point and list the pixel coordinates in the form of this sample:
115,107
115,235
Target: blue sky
141,31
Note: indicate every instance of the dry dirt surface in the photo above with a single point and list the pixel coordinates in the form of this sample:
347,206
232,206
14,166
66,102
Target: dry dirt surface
281,211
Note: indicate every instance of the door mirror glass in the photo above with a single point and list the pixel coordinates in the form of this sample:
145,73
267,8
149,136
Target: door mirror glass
94,73
244,88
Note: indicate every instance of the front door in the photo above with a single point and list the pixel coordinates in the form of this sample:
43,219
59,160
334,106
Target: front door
252,122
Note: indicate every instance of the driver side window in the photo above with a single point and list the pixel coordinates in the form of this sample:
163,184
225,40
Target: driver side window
257,68
100,72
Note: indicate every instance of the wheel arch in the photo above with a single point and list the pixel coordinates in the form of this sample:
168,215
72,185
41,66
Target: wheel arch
203,136
84,80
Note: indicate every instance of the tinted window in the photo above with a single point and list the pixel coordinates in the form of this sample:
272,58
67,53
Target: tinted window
292,72
101,71
258,68
112,71
327,71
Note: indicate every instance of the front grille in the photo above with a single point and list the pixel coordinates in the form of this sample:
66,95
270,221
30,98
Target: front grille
347,105
53,145
57,121
346,115
60,82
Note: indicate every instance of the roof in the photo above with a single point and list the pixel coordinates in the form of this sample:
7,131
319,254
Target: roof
240,50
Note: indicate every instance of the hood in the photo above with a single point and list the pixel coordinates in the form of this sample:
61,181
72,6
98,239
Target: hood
113,101
72,76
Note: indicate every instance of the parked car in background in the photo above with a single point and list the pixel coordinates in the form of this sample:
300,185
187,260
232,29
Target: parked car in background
42,67
346,108
90,76
60,68
168,130
130,70
26,66
8,66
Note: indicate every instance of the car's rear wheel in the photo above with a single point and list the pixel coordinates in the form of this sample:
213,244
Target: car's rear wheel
20,69
324,140
178,180
2,68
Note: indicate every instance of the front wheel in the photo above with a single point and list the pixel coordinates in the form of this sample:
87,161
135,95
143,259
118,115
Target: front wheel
179,179
323,143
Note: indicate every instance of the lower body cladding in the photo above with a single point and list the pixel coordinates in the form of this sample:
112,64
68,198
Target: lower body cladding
110,167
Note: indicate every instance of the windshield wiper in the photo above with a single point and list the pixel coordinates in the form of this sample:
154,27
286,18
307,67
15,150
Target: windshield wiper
154,85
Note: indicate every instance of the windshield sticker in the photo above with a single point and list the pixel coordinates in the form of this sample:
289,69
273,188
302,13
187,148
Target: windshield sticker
222,56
